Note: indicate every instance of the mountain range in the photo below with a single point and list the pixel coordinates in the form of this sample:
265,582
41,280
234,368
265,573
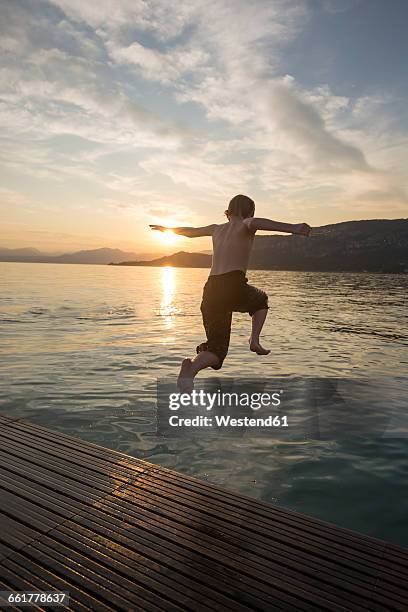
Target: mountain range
92,256
377,245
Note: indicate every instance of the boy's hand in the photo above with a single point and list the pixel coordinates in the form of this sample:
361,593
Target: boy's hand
159,228
303,229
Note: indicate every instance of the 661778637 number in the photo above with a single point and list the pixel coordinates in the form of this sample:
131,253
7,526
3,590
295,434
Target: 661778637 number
29,598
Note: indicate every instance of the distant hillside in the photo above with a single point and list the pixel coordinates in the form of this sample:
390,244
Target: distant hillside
25,252
354,246
93,256
178,260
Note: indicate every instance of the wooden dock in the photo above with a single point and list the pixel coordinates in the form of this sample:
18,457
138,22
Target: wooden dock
118,533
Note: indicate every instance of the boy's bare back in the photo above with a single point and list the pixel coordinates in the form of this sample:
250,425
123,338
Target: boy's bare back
232,244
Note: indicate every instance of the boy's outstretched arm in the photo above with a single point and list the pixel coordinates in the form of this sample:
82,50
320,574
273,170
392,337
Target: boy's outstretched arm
256,223
189,232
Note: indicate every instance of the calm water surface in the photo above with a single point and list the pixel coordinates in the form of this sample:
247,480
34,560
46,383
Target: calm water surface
82,348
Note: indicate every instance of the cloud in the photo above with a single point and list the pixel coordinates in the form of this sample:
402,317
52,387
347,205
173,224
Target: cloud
338,6
9,197
53,76
163,67
199,174
387,196
56,80
112,16
243,89
328,104
298,119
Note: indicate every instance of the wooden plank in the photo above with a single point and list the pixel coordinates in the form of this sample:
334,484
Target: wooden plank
75,456
214,495
154,547
119,533
54,480
170,571
69,442
150,585
58,502
273,581
263,544
21,567
10,582
62,466
28,577
208,505
6,419
298,542
247,520
14,535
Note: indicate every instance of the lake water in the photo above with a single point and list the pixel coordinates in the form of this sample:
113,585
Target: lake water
82,348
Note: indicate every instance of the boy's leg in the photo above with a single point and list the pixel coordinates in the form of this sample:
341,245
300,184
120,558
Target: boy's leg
190,368
258,320
212,353
255,301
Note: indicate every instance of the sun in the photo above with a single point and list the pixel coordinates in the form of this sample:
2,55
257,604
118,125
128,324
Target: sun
167,237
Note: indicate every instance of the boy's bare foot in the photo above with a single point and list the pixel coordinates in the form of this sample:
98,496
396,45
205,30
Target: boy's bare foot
185,380
256,347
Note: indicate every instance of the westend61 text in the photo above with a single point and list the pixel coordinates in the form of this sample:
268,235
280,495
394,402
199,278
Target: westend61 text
228,421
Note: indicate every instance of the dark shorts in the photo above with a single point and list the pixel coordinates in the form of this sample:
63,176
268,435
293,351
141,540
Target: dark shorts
224,294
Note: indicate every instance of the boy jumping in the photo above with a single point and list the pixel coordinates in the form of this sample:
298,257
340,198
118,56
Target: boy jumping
227,290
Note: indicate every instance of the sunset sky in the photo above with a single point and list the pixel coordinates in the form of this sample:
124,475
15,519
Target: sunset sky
119,113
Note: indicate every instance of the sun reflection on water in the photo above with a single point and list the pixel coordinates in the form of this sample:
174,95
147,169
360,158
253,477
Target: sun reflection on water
167,308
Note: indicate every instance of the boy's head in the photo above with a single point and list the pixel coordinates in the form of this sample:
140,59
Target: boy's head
241,206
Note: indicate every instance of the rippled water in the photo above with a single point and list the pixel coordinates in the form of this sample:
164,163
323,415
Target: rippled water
82,348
